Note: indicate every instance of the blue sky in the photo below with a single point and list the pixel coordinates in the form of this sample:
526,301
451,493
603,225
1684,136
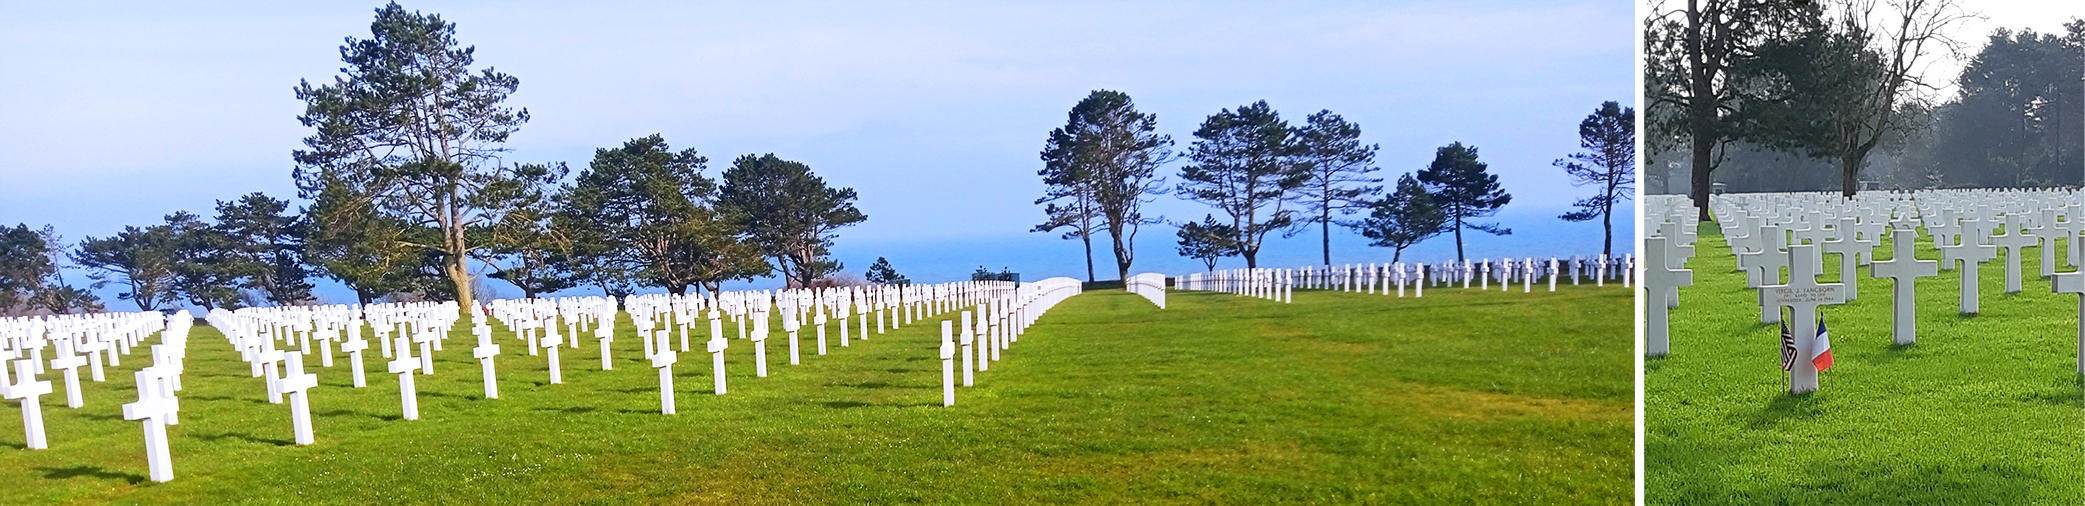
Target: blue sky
119,113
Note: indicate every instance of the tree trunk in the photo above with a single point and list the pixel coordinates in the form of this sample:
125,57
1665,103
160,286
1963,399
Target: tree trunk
1458,237
1325,226
1607,223
1850,174
1088,239
1122,256
1704,152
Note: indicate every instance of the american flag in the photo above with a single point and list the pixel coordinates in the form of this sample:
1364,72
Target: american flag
1787,347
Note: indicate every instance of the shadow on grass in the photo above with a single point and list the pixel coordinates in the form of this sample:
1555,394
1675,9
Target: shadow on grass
331,413
245,437
1788,406
845,404
95,472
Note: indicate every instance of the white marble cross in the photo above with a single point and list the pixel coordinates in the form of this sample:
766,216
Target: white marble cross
605,336
404,366
354,347
1850,249
717,345
759,345
948,365
92,347
2012,241
551,342
1970,252
30,392
2045,233
296,383
1802,296
1659,280
484,352
269,359
791,324
70,363
967,341
1764,266
427,338
156,406
663,357
1905,268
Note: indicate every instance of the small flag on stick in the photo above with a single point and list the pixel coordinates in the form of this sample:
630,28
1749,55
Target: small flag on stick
1787,347
1823,356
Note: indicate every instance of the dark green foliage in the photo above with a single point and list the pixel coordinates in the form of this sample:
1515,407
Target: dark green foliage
1244,164
206,271
1404,218
354,243
1105,161
412,128
261,246
1339,168
648,210
1608,163
1208,241
1068,191
140,258
1465,190
882,273
23,268
2019,116
1695,78
788,213
526,247
30,280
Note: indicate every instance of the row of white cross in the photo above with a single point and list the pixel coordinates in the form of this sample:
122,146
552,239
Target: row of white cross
994,314
103,338
1793,231
1375,278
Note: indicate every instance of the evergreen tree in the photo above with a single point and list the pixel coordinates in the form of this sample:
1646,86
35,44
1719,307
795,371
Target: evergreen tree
1339,165
1608,137
1208,241
882,273
141,258
1465,190
1404,218
1244,164
417,131
788,213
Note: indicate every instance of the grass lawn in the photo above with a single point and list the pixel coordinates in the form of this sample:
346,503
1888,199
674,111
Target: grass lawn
1460,397
1982,410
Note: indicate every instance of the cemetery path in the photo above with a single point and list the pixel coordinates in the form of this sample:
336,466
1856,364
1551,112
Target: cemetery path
1461,397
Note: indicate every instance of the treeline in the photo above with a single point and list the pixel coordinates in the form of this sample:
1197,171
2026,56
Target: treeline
640,215
1267,175
408,196
1780,96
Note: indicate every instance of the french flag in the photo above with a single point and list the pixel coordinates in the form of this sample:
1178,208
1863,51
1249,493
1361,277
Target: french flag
1823,357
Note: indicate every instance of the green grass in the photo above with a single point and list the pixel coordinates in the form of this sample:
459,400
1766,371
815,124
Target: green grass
1460,397
1981,410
